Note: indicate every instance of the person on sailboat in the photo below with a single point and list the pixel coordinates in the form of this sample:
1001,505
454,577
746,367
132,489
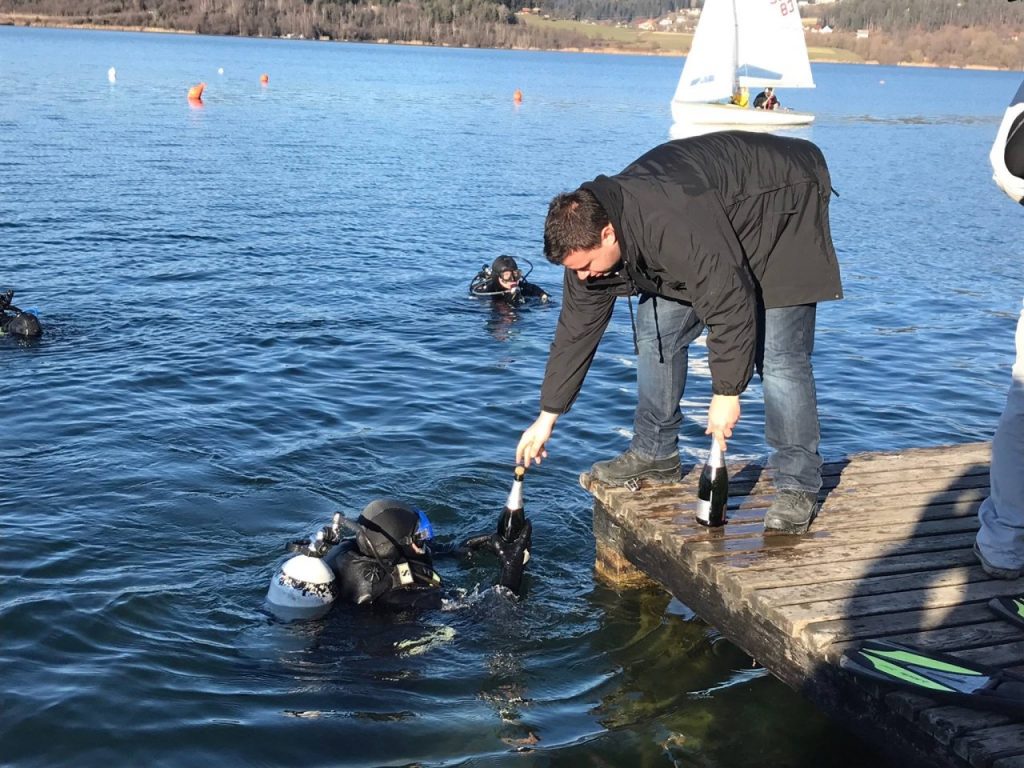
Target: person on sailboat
767,99
999,545
728,230
740,97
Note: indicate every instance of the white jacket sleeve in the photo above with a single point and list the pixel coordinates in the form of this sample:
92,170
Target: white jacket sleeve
1011,129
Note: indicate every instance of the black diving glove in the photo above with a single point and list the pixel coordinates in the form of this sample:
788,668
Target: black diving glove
512,554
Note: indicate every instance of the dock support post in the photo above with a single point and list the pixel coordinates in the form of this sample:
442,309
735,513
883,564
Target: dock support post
610,563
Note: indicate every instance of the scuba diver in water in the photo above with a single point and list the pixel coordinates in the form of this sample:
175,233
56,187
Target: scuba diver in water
15,321
504,280
389,562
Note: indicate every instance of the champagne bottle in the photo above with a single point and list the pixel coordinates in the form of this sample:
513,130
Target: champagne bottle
513,540
513,518
713,489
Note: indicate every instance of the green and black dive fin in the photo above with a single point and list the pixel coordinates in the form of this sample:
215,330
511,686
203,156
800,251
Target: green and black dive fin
1009,608
939,675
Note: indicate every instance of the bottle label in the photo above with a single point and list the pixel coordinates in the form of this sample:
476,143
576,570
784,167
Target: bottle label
703,511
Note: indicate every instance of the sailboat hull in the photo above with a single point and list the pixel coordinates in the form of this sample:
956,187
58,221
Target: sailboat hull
687,113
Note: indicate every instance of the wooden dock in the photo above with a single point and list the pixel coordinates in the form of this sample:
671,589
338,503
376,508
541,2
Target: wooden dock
890,556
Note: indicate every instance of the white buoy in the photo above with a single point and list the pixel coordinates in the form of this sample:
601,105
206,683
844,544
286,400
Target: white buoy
112,75
220,71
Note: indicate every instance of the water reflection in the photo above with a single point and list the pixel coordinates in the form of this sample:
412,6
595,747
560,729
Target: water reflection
503,317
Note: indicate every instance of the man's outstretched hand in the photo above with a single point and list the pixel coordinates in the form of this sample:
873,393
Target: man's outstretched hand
532,445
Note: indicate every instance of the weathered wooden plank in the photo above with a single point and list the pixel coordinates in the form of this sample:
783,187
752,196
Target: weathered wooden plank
972,459
841,570
869,585
792,619
980,748
1002,655
843,514
949,723
942,458
749,536
820,635
914,482
785,554
955,639
836,513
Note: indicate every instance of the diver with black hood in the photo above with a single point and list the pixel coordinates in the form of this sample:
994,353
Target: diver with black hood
389,562
17,322
505,281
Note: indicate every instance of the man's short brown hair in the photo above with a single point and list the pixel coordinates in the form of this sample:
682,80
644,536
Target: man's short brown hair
574,223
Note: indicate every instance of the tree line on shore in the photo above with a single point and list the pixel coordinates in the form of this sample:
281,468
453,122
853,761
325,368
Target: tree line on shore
940,32
476,23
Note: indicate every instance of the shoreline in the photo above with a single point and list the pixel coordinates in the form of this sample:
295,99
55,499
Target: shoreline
50,22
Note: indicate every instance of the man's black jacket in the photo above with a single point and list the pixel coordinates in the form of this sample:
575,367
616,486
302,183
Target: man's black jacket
714,221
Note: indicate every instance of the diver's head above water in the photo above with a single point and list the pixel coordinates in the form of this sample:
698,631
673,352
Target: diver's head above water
391,530
506,273
15,321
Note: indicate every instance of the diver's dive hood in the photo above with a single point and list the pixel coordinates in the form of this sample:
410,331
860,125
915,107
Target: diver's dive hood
389,529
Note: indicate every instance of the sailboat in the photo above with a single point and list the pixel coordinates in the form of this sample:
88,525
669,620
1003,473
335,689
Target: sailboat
742,43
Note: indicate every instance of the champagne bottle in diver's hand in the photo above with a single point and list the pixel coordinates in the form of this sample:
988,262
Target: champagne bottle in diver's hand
514,537
713,489
513,518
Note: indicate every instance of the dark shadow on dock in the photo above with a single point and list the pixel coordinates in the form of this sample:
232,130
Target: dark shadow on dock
923,588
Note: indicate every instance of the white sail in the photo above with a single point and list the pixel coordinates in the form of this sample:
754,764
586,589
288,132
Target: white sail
709,73
772,49
752,43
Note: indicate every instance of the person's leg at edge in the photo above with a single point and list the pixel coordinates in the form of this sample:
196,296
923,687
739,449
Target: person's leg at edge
792,429
664,331
1000,540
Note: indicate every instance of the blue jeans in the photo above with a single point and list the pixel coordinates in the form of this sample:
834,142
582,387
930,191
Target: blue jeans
665,329
1001,538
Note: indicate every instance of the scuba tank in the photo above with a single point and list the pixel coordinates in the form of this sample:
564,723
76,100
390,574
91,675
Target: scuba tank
305,587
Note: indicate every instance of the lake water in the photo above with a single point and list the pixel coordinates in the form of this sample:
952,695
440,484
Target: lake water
256,314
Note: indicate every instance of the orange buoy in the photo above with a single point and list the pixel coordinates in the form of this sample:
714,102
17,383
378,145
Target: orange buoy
195,93
264,78
517,97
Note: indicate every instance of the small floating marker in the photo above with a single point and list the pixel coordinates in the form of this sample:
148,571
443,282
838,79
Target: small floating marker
220,70
517,96
264,78
112,75
195,93
881,82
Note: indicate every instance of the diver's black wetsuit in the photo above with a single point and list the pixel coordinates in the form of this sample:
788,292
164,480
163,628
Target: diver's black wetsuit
402,585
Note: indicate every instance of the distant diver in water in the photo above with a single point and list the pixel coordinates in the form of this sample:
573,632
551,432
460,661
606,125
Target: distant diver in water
503,280
17,322
388,563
